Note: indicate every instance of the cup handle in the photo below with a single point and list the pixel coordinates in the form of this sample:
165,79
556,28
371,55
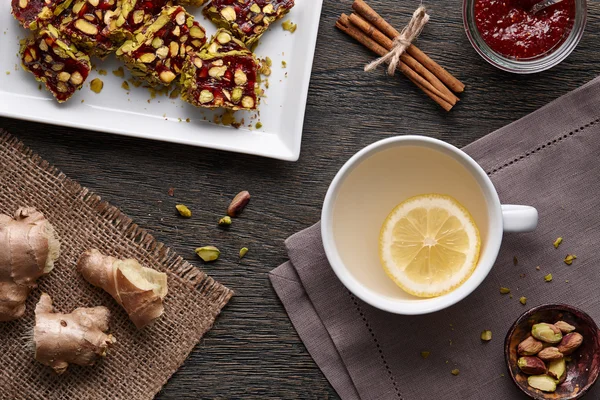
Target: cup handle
519,218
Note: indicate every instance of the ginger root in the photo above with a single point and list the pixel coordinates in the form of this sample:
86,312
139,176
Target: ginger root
28,249
75,338
138,289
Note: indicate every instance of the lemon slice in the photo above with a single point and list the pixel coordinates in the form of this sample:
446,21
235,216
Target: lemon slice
429,245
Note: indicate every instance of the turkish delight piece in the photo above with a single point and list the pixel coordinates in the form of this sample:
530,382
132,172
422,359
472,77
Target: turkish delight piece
56,62
247,19
35,14
158,51
224,74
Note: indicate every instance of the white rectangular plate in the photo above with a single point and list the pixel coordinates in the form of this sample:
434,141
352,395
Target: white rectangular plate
134,113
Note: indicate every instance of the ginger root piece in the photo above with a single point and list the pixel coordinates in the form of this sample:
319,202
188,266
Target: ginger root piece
75,338
138,289
28,249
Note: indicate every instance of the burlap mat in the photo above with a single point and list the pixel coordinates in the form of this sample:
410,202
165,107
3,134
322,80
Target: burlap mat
141,362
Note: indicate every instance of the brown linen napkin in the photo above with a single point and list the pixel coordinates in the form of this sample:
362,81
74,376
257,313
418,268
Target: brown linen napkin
550,160
141,362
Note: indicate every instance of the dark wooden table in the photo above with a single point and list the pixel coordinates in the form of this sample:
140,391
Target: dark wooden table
253,351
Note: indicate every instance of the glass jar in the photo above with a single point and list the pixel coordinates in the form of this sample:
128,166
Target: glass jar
530,65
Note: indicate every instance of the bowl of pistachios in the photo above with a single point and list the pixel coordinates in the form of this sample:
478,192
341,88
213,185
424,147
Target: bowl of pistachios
553,352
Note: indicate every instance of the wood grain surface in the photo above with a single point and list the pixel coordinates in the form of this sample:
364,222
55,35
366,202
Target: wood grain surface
253,350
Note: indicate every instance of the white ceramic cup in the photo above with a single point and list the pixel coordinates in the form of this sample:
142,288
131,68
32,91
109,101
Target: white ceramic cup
378,178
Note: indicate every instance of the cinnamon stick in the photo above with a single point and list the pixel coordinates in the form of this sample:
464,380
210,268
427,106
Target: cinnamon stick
376,20
388,43
346,26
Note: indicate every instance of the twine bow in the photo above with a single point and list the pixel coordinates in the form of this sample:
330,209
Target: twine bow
402,42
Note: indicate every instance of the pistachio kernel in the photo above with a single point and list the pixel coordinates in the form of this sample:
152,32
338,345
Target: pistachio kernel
548,278
486,335
569,259
229,13
206,96
504,290
557,242
425,354
183,211
208,253
523,300
455,372
243,252
289,26
223,37
225,221
96,85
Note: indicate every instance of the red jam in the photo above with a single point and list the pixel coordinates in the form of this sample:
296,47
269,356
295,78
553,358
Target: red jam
510,29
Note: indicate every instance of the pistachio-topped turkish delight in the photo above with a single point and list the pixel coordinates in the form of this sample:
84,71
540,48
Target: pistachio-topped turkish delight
85,25
158,50
35,14
55,62
247,19
223,75
131,16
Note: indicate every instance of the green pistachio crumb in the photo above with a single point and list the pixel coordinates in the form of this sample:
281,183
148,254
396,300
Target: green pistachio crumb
289,26
243,252
557,242
96,85
523,300
188,120
283,64
486,335
125,85
569,259
183,211
225,221
455,372
120,72
425,354
7,72
504,290
259,125
102,72
548,278
502,375
268,61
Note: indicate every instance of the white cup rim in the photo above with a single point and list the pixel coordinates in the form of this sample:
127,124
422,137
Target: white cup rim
417,306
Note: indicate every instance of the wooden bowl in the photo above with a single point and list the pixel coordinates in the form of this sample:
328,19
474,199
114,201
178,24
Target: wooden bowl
582,371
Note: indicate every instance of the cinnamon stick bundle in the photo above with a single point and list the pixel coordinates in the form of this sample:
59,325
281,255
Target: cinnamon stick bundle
344,25
376,20
371,30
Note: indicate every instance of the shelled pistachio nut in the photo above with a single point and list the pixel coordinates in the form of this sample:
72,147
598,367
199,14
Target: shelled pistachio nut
564,327
531,365
542,382
570,343
546,333
550,353
208,253
530,346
